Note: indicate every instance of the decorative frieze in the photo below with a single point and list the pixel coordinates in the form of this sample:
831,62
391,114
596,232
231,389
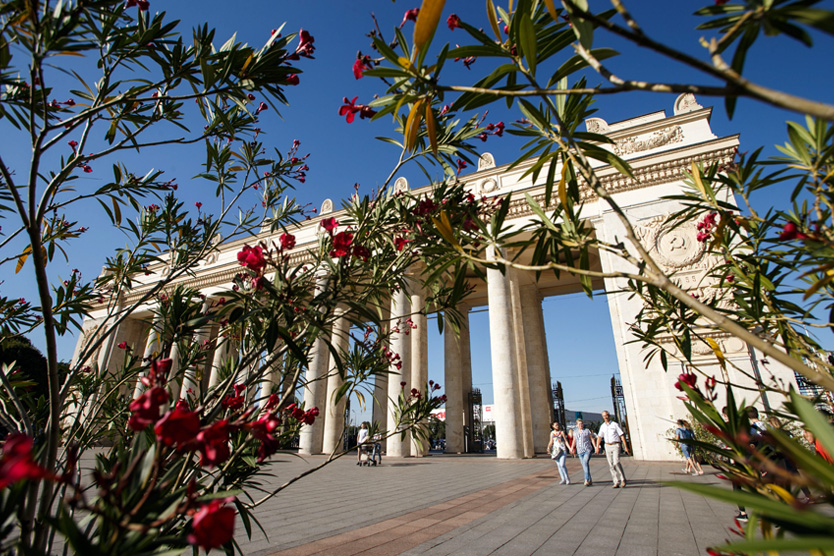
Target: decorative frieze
639,143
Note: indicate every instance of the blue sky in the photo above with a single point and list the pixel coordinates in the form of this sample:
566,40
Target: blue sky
580,342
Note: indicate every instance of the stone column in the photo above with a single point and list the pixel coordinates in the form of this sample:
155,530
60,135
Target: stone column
400,372
504,372
535,346
151,347
272,381
453,388
221,353
334,424
315,388
419,356
379,410
173,385
521,340
189,379
465,363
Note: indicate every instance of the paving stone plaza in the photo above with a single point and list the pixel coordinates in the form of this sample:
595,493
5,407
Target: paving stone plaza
477,505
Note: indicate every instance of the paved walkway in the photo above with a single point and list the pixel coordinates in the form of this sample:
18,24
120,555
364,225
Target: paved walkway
476,505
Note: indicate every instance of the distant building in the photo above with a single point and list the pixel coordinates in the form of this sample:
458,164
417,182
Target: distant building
489,419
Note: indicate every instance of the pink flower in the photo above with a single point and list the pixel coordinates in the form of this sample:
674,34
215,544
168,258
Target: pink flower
252,258
124,346
87,169
400,242
350,108
72,144
361,252
690,379
178,426
329,224
305,43
143,4
461,165
287,241
199,205
341,244
790,232
213,442
410,15
17,463
158,375
453,21
213,525
145,408
360,65
261,107
292,79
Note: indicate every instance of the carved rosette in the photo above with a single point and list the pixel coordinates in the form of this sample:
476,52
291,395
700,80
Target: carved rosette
673,247
676,249
487,186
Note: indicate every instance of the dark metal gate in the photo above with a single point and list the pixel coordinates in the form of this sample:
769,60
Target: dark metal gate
473,432
618,399
558,403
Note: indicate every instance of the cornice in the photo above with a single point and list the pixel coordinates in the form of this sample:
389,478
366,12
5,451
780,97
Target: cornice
650,170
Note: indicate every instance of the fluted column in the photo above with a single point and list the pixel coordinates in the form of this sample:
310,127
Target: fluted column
273,378
175,368
453,388
379,410
400,372
151,347
221,353
189,379
535,346
310,437
504,371
521,364
419,356
334,424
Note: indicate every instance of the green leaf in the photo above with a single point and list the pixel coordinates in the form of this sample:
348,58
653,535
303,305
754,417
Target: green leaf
819,19
527,40
540,213
605,155
767,507
814,420
779,545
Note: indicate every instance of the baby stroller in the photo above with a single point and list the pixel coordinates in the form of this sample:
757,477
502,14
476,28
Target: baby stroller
367,454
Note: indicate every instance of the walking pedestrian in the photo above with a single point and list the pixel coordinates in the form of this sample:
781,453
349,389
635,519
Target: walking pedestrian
583,446
684,432
558,448
361,439
613,436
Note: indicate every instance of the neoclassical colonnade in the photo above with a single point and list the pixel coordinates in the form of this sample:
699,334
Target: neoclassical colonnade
661,150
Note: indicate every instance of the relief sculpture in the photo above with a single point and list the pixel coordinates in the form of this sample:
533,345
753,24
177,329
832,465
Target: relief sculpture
665,136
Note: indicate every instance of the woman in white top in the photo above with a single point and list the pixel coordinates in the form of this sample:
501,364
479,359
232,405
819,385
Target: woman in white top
558,448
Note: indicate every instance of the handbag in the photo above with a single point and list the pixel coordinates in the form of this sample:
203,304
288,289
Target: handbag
558,448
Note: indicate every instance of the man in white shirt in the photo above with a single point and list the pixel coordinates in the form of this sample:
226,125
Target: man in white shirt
611,433
361,439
